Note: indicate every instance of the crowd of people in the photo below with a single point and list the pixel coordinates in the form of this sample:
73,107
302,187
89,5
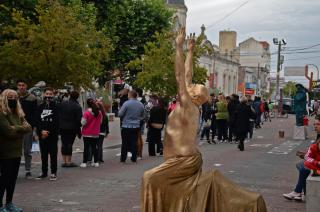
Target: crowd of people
23,118
232,119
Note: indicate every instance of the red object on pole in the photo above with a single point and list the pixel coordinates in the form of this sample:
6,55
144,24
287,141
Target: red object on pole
305,121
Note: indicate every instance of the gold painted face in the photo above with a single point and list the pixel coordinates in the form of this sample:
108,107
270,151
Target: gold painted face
199,94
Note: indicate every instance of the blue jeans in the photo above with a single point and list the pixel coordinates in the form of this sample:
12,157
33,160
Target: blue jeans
303,175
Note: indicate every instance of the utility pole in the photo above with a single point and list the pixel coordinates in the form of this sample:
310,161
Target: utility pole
259,80
278,69
278,42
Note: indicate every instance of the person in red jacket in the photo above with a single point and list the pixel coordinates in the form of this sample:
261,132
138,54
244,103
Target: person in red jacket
311,162
312,158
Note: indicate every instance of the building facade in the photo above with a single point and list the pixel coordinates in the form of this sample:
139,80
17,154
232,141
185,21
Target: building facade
222,67
180,16
255,58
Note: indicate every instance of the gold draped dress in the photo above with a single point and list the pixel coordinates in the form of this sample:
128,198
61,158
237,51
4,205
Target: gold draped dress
178,185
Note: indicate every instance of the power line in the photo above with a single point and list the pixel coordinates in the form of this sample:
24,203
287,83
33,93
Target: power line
302,58
228,15
299,49
304,46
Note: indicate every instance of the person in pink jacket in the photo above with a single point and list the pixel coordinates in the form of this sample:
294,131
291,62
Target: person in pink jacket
91,121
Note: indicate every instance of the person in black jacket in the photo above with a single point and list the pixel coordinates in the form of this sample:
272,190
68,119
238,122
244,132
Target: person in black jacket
242,115
207,117
29,106
104,131
232,105
70,114
155,125
48,131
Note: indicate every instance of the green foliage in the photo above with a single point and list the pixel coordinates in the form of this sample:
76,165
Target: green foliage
156,68
290,89
27,7
130,24
62,47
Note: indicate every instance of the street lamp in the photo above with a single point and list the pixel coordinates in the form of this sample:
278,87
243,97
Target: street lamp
279,43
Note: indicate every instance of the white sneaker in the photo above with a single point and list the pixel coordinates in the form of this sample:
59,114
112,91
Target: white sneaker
293,195
83,165
95,165
139,158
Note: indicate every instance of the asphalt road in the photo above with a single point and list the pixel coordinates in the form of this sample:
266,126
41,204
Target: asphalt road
266,166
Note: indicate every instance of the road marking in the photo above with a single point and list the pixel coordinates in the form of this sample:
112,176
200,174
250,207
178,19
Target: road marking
261,145
285,148
260,137
217,164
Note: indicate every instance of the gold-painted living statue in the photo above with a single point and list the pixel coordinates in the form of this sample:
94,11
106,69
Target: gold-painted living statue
178,185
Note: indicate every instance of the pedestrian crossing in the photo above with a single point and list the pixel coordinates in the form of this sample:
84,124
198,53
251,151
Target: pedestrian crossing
285,148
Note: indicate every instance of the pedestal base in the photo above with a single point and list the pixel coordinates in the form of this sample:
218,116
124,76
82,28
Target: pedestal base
299,133
313,188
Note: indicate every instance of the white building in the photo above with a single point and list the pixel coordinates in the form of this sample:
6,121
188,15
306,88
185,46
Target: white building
255,55
180,16
222,68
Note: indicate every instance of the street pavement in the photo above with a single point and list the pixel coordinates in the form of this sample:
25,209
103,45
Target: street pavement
266,166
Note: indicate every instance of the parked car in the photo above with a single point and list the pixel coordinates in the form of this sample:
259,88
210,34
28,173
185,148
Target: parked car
287,105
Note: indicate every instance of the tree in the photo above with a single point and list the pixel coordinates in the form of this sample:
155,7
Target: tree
27,7
62,47
156,67
130,24
290,89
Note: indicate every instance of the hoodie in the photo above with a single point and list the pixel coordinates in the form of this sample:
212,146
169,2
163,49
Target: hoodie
48,119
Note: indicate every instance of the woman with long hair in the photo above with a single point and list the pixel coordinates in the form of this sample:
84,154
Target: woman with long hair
104,131
13,126
91,121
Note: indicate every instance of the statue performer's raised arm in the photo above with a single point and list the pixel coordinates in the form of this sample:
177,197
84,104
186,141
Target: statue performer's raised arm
178,185
182,125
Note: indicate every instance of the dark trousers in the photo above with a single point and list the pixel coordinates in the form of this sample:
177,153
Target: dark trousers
154,138
27,147
231,131
100,147
213,128
303,175
205,132
129,143
222,126
241,136
251,126
90,144
49,146
9,169
67,140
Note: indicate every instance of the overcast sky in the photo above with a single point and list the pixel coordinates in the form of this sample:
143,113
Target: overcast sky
297,21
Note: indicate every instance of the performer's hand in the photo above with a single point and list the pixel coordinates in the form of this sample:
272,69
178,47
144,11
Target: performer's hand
191,41
181,37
